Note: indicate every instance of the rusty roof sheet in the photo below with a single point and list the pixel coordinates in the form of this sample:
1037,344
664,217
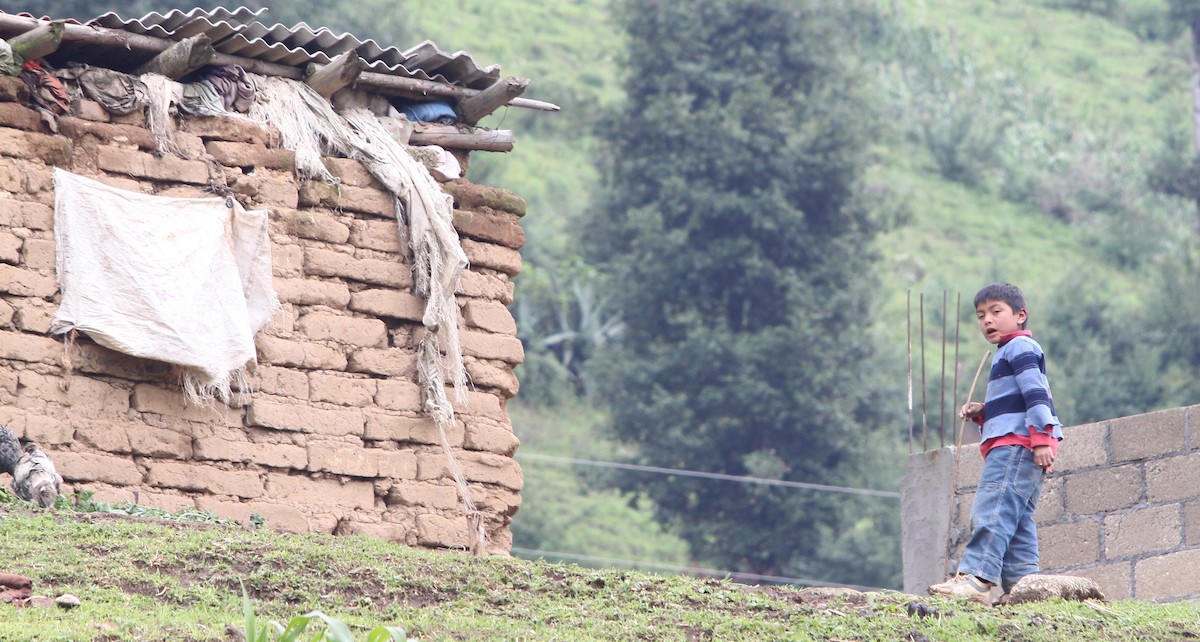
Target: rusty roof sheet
238,32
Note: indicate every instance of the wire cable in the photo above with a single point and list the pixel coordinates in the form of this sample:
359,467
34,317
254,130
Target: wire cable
533,553
695,473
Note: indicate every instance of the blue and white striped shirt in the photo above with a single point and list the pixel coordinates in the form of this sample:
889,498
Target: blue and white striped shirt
1018,393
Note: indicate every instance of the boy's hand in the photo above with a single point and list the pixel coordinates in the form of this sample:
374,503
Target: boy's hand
1043,456
971,410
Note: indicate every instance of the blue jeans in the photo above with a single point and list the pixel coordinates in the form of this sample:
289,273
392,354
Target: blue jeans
1004,545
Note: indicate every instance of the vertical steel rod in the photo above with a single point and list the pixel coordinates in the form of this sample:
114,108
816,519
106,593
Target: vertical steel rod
908,336
942,402
924,405
957,325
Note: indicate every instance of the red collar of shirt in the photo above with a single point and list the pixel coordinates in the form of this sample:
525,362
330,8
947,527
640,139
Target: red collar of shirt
1013,335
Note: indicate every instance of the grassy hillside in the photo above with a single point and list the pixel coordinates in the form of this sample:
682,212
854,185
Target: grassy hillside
144,579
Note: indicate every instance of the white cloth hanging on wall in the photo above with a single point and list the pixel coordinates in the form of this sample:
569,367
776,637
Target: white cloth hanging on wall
181,280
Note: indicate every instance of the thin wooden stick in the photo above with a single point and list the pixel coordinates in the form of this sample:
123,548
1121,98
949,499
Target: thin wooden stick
970,393
942,402
908,335
924,407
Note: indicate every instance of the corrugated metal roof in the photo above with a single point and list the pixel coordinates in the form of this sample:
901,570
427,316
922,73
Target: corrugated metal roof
238,32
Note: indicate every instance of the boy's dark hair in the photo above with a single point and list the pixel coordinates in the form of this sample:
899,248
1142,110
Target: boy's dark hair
1005,292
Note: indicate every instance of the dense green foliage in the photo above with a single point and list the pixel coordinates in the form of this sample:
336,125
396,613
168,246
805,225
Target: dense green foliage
730,223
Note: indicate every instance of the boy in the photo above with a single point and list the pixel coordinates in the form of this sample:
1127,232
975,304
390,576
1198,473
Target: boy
1020,439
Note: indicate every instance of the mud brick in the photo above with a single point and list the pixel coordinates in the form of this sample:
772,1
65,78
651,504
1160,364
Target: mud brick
387,427
504,229
492,346
34,315
426,494
354,331
399,395
35,216
491,436
208,479
283,382
382,236
391,362
495,257
277,517
52,150
316,225
485,286
292,416
341,390
389,303
367,200
106,436
150,441
323,262
298,354
109,133
87,110
173,403
38,254
48,431
6,313
158,168
223,128
350,172
496,376
469,196
331,493
443,532
29,347
10,246
312,292
274,455
490,316
19,117
13,90
15,280
90,467
249,155
287,260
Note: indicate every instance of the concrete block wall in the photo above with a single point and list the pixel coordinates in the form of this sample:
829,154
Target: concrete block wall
331,438
1122,505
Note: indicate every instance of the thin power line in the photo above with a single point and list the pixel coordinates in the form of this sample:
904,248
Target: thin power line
690,569
695,473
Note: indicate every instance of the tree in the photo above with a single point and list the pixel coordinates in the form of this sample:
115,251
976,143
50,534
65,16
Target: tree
729,223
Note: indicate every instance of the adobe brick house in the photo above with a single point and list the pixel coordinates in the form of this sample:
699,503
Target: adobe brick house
332,434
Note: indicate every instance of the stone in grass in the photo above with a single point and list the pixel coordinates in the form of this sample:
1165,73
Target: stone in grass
67,601
1034,588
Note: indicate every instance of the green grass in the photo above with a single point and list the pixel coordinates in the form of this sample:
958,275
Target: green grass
141,579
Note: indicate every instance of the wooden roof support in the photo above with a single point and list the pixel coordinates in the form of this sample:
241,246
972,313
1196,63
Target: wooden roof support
488,140
181,58
341,72
382,83
472,109
40,41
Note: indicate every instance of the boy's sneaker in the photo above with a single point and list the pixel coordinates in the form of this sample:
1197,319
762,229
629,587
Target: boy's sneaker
963,585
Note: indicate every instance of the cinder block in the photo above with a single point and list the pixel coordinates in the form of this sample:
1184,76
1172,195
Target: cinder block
1168,576
1082,447
1052,503
1172,478
1115,580
1191,522
1143,531
1069,544
1104,490
1149,435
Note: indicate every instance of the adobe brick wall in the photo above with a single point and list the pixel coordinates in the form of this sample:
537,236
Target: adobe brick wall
332,438
1121,507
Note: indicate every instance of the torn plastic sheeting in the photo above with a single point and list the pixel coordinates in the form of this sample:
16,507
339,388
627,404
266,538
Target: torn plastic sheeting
181,280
